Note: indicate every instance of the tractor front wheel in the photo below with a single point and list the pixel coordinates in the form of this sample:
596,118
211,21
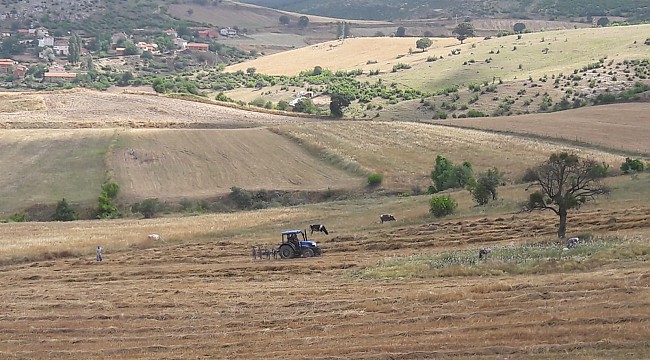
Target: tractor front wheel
307,252
286,251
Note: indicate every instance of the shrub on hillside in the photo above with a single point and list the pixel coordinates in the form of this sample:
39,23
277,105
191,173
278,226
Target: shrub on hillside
107,208
375,179
631,165
442,205
64,212
148,208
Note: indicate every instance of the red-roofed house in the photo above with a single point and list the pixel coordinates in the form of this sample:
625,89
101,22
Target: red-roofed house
19,71
59,76
171,32
198,47
208,33
6,65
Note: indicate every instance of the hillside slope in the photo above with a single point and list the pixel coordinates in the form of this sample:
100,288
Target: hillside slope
393,9
624,127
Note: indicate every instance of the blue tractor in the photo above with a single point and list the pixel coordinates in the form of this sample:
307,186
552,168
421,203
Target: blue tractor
295,244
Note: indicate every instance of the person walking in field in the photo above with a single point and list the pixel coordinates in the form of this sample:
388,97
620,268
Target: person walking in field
99,251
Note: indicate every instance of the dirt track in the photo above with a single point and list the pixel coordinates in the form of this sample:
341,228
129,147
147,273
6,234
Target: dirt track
212,300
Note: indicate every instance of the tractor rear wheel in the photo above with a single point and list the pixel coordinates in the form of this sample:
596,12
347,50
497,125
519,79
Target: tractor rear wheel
286,251
307,252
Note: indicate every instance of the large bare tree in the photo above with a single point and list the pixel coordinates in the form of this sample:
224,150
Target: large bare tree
566,181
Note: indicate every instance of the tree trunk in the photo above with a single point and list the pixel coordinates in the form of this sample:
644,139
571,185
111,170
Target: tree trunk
561,229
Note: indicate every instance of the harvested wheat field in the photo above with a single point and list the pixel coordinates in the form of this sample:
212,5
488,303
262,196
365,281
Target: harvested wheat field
355,53
175,163
623,127
91,109
43,166
205,296
405,152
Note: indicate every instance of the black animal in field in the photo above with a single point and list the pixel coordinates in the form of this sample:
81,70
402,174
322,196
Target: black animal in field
318,228
386,217
483,252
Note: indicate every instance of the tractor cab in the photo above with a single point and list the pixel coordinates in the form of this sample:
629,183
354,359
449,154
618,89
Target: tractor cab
295,244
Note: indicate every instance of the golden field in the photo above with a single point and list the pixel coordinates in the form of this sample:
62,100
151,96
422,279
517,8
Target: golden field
199,293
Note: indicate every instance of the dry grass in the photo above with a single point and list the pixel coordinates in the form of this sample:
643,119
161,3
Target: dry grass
568,50
200,293
627,126
90,109
43,166
346,55
405,152
200,163
11,103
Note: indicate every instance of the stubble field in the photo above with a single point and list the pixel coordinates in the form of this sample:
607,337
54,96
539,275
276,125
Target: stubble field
199,293
624,127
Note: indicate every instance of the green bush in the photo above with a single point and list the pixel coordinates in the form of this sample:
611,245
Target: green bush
484,188
17,218
631,165
149,208
446,175
442,205
530,175
375,179
64,212
106,208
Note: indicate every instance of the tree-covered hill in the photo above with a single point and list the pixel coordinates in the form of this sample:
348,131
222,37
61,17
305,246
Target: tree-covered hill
633,10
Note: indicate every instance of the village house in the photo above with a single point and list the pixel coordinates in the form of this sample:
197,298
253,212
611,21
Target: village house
120,51
208,33
42,31
171,32
6,66
180,43
117,37
143,46
198,47
19,71
228,32
61,47
38,32
46,41
58,76
23,32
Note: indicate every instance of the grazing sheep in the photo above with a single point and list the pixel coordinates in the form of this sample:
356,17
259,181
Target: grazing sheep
318,227
153,237
386,217
483,252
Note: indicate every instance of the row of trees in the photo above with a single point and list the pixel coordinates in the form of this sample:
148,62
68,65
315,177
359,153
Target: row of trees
483,186
561,183
303,21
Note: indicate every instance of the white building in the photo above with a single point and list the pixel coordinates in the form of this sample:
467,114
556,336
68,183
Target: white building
228,32
61,47
180,43
46,41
